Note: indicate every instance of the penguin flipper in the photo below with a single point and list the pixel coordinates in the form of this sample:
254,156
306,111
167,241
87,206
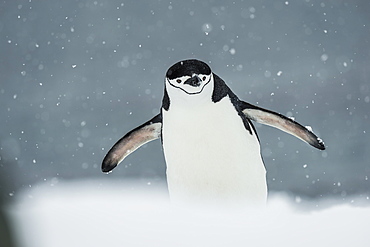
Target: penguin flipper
281,122
134,139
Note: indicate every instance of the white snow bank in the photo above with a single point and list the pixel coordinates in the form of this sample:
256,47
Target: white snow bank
117,214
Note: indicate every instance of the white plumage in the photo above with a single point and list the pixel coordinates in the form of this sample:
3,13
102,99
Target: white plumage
210,155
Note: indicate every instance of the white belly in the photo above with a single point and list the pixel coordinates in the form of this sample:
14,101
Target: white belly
211,157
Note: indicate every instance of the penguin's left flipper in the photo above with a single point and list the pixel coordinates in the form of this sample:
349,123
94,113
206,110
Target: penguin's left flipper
281,122
134,139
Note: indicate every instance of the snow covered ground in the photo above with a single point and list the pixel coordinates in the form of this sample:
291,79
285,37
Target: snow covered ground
90,213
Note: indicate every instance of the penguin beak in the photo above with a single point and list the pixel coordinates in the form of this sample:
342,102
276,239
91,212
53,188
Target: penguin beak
194,81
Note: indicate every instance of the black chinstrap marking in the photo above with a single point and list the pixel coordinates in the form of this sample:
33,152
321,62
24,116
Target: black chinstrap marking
187,91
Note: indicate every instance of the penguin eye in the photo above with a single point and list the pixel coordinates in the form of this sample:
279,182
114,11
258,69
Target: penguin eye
204,78
178,80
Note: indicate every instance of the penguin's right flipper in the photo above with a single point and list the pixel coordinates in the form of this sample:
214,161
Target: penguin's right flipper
134,139
281,122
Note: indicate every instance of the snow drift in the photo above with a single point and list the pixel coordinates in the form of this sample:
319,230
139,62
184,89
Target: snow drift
115,214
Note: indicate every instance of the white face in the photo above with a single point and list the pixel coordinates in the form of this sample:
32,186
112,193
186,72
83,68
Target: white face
191,85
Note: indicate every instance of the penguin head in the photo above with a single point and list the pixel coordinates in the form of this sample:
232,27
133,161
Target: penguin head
189,76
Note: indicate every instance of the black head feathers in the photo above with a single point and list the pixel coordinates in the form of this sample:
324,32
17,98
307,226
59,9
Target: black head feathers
188,68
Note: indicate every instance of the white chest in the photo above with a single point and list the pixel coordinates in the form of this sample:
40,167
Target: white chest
210,156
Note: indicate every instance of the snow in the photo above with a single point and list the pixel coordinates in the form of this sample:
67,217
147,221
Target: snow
94,213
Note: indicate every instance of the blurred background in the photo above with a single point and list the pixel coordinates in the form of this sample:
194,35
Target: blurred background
77,75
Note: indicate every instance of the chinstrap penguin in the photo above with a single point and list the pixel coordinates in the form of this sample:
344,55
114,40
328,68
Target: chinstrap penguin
210,145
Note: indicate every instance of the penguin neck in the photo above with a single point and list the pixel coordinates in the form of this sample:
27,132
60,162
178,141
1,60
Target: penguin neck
180,99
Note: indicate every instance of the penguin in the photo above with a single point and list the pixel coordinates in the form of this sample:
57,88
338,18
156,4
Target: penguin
210,145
